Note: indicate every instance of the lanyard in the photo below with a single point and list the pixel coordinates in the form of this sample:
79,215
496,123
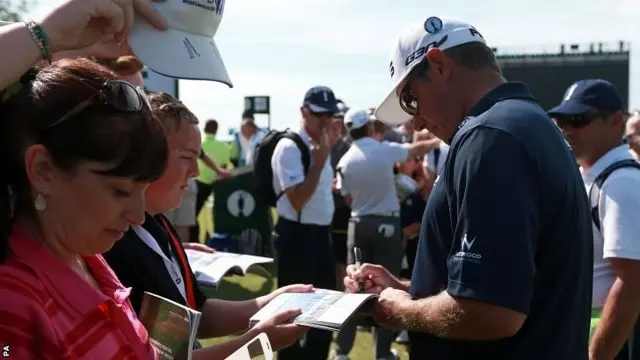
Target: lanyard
170,264
184,263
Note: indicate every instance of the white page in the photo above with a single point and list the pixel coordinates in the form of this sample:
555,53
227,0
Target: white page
340,311
322,306
287,301
213,267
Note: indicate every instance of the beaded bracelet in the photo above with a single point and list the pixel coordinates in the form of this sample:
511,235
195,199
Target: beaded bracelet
41,39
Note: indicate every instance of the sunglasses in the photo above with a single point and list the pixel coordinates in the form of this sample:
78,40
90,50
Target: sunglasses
322,114
408,100
117,94
576,121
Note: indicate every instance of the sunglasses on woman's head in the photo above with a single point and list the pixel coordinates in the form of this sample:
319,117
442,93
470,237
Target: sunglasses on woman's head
118,94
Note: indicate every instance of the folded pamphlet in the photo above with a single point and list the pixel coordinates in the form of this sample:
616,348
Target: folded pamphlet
322,309
211,268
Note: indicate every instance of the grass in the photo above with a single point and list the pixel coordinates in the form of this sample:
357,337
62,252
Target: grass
256,284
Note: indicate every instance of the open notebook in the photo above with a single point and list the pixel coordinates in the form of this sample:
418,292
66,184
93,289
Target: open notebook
322,309
172,327
211,268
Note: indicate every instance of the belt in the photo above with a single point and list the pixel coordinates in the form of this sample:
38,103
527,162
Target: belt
395,214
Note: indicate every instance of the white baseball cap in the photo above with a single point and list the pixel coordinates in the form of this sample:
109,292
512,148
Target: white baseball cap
186,50
435,31
355,119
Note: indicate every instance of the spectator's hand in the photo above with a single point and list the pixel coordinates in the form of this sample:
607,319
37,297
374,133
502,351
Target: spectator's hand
334,186
78,24
223,173
422,135
107,48
279,332
198,247
376,278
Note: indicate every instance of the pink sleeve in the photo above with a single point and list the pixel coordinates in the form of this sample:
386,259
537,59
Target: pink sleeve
26,331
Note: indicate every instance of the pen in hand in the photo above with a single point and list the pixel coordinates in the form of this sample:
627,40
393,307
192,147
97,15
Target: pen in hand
357,254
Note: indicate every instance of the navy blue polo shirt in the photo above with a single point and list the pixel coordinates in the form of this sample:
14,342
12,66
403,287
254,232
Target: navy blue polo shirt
412,209
508,224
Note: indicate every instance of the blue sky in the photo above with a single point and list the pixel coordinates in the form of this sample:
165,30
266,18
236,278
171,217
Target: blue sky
282,47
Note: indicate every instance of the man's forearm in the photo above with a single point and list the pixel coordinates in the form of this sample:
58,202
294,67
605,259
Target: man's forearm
618,318
210,162
222,317
422,147
451,318
301,193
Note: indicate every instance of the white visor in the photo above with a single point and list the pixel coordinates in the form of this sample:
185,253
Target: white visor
187,50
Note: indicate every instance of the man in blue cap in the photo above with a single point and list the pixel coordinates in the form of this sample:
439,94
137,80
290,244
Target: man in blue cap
592,118
305,211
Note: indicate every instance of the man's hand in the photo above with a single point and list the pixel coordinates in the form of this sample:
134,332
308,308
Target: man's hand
320,148
376,279
296,288
386,311
197,246
422,135
222,173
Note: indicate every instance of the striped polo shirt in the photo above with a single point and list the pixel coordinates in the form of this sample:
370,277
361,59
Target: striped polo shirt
48,312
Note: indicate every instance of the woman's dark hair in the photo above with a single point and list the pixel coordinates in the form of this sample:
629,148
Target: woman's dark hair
133,143
170,111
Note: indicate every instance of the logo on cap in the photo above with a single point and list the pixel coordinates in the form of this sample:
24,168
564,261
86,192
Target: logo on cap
216,6
570,92
433,25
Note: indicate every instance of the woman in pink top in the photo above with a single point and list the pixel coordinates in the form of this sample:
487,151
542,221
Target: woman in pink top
78,150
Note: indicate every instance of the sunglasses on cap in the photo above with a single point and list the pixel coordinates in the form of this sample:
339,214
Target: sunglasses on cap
577,121
117,94
321,114
408,100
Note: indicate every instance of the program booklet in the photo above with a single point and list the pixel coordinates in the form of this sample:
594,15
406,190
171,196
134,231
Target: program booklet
322,309
211,268
172,327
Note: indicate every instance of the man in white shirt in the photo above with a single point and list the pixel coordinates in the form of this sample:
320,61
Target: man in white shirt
305,210
245,140
591,117
366,180
632,134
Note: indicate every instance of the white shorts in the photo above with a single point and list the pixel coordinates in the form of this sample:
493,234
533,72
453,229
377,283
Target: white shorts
185,214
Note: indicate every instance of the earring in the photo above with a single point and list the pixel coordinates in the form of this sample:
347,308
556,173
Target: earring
40,203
